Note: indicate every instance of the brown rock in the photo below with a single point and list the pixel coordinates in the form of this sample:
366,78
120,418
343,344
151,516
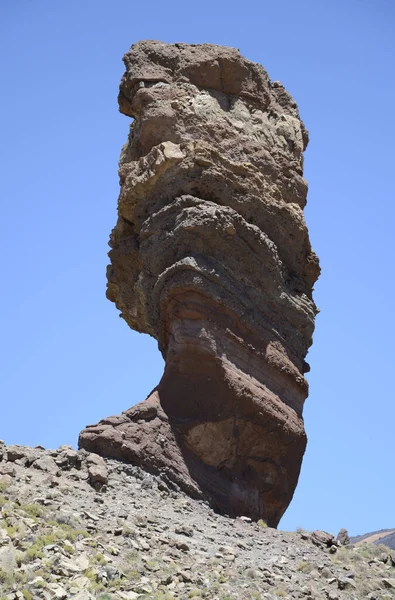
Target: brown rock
323,538
211,256
342,537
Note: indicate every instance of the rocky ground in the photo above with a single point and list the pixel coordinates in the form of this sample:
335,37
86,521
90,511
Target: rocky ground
73,525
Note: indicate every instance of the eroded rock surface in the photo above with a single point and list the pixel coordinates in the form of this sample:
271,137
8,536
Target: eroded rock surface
211,256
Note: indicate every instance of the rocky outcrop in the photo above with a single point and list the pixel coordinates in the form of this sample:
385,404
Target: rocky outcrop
211,256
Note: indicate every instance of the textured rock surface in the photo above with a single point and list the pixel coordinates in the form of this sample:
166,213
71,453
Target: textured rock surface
211,256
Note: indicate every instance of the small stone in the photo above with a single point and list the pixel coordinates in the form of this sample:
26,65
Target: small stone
5,480
4,538
344,583
91,516
182,546
37,581
147,484
143,544
81,582
77,565
184,530
326,573
384,558
349,574
141,521
8,558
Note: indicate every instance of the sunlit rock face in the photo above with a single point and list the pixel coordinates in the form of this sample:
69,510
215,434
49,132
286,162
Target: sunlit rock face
211,256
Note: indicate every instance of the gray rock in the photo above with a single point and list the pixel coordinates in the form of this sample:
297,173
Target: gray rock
8,558
67,458
184,530
5,480
15,452
97,470
343,538
345,583
46,463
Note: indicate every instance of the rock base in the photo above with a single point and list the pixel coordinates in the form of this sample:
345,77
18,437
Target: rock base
222,462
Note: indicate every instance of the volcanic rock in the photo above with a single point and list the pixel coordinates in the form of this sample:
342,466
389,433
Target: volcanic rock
342,537
211,256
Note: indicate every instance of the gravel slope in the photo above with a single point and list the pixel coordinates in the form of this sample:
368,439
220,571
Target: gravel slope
73,525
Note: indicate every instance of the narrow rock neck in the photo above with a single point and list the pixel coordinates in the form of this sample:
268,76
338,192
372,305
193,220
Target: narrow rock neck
232,428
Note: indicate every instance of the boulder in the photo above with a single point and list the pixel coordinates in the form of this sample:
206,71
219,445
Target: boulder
323,538
343,538
97,470
15,452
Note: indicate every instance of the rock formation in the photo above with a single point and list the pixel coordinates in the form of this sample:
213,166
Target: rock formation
211,256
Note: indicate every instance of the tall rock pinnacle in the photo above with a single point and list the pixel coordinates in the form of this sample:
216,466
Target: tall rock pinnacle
211,256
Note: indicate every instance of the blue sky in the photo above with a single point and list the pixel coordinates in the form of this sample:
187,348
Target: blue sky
66,358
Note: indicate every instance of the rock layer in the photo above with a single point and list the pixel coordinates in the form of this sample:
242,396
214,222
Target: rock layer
211,256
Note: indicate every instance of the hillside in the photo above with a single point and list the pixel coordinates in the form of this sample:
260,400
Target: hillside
383,536
74,525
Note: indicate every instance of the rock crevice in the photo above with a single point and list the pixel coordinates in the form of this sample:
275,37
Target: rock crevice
211,256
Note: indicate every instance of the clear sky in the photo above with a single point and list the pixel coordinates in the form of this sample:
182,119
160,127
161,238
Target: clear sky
66,358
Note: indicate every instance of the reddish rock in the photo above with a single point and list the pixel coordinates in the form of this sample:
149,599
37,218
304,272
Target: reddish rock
323,538
211,256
